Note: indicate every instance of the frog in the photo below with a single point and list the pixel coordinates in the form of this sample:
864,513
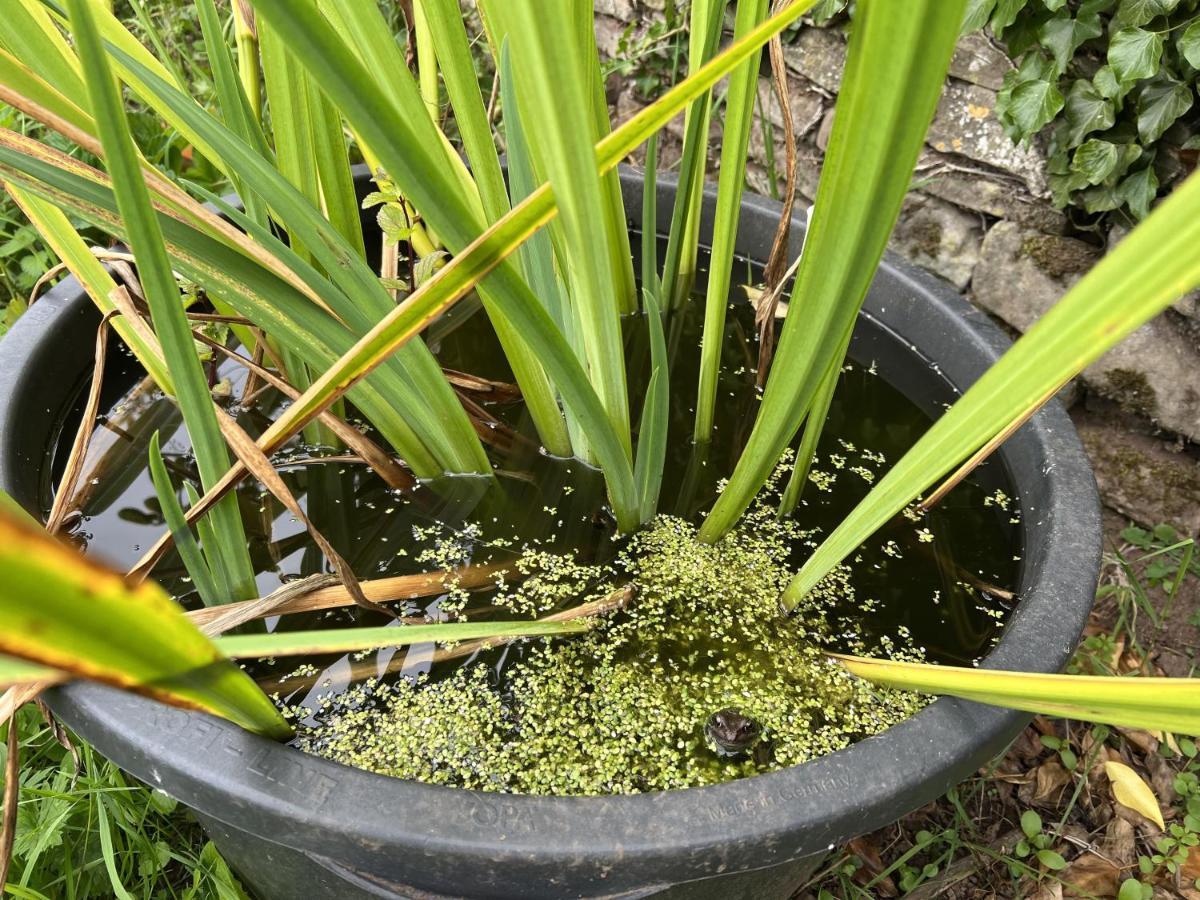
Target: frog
733,735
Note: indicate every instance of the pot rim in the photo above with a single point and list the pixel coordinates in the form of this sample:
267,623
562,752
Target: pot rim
620,842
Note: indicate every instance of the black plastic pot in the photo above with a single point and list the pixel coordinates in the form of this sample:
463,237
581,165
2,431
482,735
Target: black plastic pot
296,826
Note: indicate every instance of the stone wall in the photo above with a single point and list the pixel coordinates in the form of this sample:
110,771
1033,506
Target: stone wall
980,215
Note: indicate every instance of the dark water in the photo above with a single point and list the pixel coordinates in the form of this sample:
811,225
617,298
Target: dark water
560,503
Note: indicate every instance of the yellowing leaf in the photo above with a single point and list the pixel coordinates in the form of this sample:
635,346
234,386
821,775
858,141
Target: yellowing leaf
1131,791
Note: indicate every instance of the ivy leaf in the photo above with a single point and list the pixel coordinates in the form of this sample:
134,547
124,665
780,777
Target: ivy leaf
1095,160
1188,44
1134,53
1138,191
1033,104
1100,198
1054,5
977,14
1026,31
1132,13
1107,85
1159,105
1064,34
827,9
1085,111
1093,7
1005,14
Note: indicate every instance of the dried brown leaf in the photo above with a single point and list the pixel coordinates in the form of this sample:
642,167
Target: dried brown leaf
1091,876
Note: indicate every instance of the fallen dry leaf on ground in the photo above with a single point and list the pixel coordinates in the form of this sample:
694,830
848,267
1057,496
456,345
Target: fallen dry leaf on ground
1091,876
1131,791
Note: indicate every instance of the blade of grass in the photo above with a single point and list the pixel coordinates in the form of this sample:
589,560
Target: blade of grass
537,254
60,610
189,551
735,142
235,108
162,293
707,18
895,68
106,852
652,432
348,640
1157,704
1141,277
651,282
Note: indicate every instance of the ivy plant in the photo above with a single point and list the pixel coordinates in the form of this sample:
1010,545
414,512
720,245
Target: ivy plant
1113,82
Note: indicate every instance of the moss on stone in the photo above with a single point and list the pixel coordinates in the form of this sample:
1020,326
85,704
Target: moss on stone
1131,391
621,709
1058,257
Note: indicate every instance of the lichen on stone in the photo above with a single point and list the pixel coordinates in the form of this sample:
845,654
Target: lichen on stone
621,709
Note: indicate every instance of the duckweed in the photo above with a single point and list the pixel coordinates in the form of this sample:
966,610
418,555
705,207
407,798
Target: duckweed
621,709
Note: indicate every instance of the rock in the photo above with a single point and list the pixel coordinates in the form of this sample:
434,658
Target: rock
1138,476
966,124
939,237
1022,273
1153,373
819,55
618,9
608,35
987,191
807,106
979,61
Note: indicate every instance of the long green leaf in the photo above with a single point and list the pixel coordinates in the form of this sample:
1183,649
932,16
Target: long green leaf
429,404
162,293
197,566
814,424
60,235
679,267
555,100
652,432
1146,272
28,32
418,156
445,22
895,68
17,77
229,276
1156,704
735,141
16,672
453,281
235,107
60,610
349,640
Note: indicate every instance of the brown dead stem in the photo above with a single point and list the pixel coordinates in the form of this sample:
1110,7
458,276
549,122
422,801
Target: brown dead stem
65,496
319,593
